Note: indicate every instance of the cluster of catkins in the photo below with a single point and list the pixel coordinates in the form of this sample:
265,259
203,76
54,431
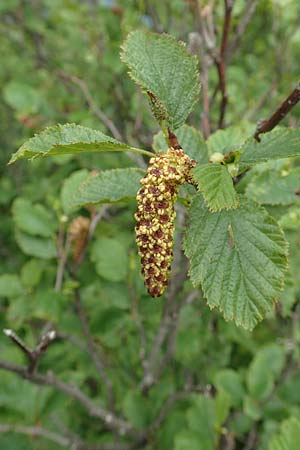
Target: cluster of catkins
155,215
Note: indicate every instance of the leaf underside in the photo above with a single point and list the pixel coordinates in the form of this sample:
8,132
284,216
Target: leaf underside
239,257
215,183
162,67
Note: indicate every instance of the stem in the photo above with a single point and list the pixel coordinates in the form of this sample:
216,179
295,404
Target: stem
141,152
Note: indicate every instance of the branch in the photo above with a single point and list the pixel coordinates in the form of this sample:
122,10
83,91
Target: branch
41,432
284,108
220,60
111,421
33,356
266,125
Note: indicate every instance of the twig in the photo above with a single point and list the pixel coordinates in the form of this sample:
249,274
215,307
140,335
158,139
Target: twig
239,32
163,413
93,350
33,356
91,103
111,421
220,60
63,251
284,108
266,125
41,432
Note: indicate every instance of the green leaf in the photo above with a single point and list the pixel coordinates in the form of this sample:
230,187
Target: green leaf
10,285
110,258
31,273
289,436
275,188
230,382
239,257
276,144
201,420
70,138
190,440
107,187
35,246
265,367
70,186
33,219
190,139
163,67
134,408
222,407
215,183
22,97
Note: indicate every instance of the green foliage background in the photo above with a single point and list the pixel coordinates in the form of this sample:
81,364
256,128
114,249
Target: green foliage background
254,376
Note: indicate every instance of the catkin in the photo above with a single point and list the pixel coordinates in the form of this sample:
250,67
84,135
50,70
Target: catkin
156,214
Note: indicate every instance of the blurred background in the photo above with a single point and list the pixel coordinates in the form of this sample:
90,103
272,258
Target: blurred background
60,63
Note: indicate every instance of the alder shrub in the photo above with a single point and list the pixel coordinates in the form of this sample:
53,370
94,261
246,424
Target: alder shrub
237,251
219,200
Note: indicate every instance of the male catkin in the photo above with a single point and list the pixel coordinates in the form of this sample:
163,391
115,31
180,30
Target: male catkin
155,216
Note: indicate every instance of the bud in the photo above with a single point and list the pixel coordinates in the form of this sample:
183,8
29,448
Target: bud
78,234
156,214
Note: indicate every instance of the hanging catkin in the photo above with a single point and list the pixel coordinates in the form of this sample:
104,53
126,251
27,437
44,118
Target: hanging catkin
155,216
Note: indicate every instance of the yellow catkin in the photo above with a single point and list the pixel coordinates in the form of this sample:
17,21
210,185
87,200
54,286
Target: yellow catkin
155,216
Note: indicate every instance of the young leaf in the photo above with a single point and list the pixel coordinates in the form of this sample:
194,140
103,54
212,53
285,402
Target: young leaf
166,71
190,139
70,138
107,187
276,144
289,436
215,183
239,257
275,188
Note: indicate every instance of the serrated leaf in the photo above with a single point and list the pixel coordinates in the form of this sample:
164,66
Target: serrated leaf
70,186
190,139
66,139
275,188
276,144
107,187
215,183
289,436
239,257
162,66
36,246
33,219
